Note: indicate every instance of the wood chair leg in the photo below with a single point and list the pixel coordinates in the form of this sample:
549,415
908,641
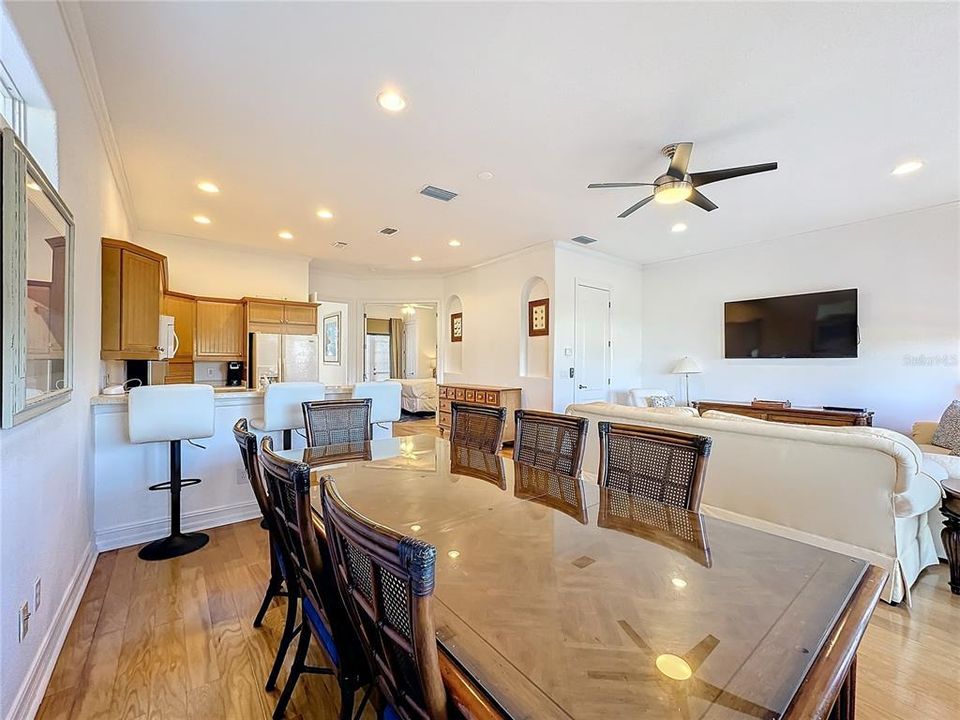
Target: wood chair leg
296,669
273,589
285,639
347,692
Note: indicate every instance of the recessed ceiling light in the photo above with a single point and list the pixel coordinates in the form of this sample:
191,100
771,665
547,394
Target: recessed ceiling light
32,185
324,214
485,175
208,187
391,100
906,168
416,258
285,235
201,219
678,227
453,554
454,243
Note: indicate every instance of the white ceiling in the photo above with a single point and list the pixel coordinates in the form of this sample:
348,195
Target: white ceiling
275,102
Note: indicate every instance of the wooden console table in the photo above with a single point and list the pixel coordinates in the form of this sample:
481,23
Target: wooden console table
507,397
795,415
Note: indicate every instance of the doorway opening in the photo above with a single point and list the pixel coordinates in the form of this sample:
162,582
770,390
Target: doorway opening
400,343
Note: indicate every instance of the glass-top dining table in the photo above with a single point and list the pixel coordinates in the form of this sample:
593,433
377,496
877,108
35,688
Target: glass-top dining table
558,599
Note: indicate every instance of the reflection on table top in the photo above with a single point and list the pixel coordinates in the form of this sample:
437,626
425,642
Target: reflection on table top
564,600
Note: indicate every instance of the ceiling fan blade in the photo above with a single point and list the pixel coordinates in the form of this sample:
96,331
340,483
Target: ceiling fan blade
680,160
593,186
634,208
712,176
701,201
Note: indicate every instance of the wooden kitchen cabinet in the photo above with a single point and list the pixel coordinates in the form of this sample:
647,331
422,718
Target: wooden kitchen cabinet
221,330
305,315
264,312
132,280
183,308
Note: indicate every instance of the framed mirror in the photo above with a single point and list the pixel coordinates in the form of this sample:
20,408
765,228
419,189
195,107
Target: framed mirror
37,237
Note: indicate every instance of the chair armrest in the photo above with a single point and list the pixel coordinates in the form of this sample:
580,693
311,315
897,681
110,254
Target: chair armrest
923,432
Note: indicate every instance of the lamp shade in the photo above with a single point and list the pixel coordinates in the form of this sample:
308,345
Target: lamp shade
686,366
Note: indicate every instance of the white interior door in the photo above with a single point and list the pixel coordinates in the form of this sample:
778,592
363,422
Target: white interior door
592,374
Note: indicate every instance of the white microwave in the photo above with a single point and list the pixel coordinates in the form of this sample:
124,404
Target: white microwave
168,342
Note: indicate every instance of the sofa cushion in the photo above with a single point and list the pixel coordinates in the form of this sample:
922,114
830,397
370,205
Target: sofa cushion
627,413
721,415
947,434
942,457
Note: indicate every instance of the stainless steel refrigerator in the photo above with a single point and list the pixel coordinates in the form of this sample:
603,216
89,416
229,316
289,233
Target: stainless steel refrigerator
283,358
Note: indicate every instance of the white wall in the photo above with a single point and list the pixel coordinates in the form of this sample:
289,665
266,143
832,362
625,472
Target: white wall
493,306
906,268
46,493
354,291
577,265
335,374
203,267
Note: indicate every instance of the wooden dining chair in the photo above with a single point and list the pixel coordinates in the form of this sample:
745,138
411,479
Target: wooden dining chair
477,426
550,442
322,612
661,465
331,422
387,581
278,580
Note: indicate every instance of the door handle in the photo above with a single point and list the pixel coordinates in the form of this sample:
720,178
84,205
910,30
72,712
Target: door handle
581,387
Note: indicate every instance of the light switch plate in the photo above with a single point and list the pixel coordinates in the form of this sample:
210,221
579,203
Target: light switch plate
568,352
23,622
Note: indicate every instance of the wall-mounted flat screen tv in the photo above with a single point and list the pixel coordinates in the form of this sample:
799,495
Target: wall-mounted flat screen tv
813,325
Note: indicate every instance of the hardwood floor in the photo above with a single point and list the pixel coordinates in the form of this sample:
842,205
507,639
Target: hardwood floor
175,640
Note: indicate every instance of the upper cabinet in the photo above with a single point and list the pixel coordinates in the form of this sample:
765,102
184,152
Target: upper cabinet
221,330
132,280
260,312
302,315
281,316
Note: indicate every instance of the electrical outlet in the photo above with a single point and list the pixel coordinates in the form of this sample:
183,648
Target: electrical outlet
36,595
210,372
23,624
242,476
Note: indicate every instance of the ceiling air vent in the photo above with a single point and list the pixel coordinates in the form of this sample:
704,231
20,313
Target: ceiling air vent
583,240
388,231
339,245
438,193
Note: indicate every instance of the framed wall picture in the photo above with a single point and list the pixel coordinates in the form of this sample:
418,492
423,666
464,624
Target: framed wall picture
456,327
538,317
331,339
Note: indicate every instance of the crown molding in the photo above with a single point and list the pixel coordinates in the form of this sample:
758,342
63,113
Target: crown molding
76,28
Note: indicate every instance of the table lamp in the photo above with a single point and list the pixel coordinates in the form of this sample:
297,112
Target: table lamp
686,366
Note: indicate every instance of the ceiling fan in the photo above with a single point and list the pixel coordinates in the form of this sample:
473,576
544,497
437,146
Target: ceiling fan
677,185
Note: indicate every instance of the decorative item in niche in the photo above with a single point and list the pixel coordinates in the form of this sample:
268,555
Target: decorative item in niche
37,232
331,339
538,317
456,327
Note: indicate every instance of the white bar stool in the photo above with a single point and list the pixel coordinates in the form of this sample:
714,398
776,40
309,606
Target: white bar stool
386,405
283,407
171,413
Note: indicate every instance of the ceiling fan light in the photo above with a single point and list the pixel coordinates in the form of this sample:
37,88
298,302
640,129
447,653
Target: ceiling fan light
671,193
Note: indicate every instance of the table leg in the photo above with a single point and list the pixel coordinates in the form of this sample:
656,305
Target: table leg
845,707
951,543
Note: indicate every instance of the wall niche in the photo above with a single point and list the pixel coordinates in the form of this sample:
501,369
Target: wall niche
453,351
534,351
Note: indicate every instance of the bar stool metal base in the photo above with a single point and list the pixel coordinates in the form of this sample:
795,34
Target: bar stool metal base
173,546
177,543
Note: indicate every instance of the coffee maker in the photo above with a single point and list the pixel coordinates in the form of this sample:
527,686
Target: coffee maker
234,373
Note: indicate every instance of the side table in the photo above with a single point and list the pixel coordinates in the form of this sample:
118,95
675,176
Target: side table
951,530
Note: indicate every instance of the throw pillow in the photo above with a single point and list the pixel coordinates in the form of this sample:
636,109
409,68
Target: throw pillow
947,434
661,401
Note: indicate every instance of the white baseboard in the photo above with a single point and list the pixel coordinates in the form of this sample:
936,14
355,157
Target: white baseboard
27,701
141,532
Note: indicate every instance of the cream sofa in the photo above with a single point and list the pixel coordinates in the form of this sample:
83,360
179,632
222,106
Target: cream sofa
865,492
923,437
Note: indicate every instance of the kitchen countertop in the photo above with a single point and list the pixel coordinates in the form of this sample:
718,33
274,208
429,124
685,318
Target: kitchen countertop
220,394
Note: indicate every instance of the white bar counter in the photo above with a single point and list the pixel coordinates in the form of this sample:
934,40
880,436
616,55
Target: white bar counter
126,513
